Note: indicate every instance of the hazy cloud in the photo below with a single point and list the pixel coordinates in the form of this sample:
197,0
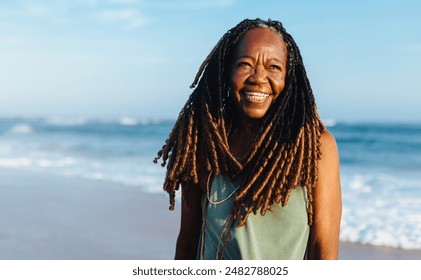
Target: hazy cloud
210,3
37,9
117,15
414,47
129,18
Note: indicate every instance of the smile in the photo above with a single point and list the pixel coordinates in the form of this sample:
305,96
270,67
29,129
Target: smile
255,96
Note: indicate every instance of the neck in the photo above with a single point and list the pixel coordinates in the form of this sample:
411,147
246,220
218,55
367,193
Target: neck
242,135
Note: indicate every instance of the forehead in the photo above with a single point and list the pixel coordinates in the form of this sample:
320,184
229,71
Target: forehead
261,37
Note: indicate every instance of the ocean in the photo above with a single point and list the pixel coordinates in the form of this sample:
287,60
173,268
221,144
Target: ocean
380,166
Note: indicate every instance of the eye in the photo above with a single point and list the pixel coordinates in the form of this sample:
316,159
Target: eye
243,64
275,67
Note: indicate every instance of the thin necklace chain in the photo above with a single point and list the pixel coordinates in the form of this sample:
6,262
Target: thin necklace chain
220,201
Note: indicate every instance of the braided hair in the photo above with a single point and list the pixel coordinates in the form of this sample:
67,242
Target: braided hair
285,151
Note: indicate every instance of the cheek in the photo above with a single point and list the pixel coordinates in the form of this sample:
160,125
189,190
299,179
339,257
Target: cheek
235,81
281,86
235,87
238,78
278,86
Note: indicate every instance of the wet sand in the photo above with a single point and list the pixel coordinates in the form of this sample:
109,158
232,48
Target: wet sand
58,218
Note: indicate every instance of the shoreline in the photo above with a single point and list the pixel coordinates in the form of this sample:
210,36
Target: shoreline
51,217
357,251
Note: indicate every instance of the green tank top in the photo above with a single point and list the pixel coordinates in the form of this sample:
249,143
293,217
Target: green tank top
281,234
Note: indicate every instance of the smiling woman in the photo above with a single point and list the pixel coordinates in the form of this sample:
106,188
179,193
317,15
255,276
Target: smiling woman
249,143
258,74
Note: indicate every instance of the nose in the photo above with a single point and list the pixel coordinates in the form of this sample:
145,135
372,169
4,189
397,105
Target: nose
258,76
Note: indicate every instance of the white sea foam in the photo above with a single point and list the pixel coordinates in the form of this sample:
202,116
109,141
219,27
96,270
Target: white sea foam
96,176
68,161
329,122
128,121
15,163
21,128
373,214
28,162
359,184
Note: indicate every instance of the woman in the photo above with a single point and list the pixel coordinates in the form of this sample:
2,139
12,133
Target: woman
259,171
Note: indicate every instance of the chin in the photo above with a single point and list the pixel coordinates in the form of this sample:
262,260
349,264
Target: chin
254,111
254,114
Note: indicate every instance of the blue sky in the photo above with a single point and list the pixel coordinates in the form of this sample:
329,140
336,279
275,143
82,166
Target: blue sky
134,58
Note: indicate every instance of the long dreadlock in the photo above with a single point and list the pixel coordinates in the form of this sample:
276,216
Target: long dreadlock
286,149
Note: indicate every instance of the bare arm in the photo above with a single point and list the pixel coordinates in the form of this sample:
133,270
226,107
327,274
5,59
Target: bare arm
327,211
191,220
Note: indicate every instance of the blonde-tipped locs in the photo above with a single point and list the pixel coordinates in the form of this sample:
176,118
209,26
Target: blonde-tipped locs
285,152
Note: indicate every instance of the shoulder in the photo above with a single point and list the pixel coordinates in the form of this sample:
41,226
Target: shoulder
328,141
327,202
328,166
328,147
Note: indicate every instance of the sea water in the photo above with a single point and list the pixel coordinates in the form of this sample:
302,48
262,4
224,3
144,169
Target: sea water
380,166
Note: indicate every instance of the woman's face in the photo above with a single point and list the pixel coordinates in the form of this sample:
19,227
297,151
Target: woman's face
258,71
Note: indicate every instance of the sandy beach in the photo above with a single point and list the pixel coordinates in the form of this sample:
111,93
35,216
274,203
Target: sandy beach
47,217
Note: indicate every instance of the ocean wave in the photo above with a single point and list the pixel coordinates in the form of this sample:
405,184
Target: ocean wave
128,121
58,121
391,229
21,128
329,122
56,163
66,121
15,163
26,162
380,209
83,121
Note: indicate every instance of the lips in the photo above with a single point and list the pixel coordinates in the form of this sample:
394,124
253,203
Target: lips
255,97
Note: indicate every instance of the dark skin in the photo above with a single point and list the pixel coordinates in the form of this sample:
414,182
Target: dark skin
257,79
191,220
191,217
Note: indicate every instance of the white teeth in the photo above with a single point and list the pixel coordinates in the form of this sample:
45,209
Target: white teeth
256,96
